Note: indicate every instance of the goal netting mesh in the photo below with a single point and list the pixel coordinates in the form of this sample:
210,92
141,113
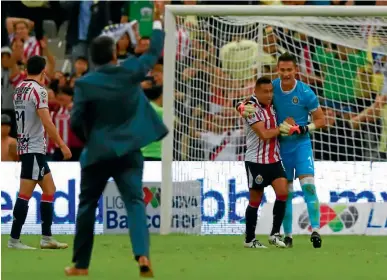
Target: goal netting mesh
218,60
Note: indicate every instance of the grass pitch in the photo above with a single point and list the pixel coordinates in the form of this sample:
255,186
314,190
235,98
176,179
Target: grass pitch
207,257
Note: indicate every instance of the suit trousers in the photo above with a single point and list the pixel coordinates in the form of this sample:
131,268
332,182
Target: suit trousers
127,172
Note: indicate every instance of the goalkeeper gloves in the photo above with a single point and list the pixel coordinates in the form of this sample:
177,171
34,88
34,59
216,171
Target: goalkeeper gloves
287,129
245,110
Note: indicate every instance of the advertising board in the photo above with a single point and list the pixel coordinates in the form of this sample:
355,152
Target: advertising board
186,208
223,194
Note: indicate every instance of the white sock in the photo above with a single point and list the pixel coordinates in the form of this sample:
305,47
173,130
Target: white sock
288,235
316,230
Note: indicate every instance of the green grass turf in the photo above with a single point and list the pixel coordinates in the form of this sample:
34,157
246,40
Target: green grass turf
207,257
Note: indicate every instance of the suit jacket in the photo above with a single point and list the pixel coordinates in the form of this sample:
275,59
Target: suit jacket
111,113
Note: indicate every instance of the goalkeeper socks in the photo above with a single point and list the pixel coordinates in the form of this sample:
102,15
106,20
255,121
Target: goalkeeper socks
278,214
288,219
312,203
251,220
19,215
47,211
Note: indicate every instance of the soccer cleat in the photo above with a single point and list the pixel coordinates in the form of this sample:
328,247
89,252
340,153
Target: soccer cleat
145,267
315,238
73,271
254,244
288,241
276,240
16,244
51,243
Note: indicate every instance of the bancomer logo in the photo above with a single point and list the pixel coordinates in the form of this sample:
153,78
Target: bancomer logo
116,216
215,209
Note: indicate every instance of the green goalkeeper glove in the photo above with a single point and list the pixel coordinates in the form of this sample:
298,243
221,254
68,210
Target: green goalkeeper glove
245,110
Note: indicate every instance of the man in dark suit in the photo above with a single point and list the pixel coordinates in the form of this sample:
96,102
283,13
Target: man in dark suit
112,115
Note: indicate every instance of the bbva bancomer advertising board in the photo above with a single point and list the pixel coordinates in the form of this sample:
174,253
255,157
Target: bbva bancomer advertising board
211,197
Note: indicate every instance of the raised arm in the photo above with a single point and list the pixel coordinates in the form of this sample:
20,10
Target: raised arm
142,65
50,58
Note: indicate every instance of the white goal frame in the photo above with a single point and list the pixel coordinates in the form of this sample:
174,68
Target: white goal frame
171,11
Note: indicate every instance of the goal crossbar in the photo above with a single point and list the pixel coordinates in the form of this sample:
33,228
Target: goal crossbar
256,10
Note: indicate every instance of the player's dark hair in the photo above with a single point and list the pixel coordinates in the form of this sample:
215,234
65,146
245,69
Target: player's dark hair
102,50
287,57
67,90
83,58
265,80
35,65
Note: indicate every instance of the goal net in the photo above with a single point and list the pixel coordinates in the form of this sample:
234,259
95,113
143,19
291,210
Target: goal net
217,60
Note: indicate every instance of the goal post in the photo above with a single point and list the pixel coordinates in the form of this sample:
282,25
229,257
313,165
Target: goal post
345,27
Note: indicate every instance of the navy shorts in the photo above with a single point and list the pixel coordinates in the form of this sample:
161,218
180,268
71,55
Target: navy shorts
259,176
33,166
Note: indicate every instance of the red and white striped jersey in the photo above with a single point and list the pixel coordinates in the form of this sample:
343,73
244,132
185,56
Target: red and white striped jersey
28,97
258,150
21,76
61,119
183,44
31,46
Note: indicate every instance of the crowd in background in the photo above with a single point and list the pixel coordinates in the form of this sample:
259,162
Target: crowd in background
209,76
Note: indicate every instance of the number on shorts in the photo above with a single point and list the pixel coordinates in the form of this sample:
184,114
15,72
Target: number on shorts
311,162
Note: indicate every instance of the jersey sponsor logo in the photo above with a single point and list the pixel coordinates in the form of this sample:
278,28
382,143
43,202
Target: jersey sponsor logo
259,179
23,143
295,100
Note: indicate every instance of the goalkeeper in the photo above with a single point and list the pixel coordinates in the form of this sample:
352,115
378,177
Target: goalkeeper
294,101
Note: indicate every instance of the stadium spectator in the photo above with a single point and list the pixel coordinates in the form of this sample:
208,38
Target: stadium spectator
340,66
7,89
142,12
37,12
123,47
20,28
86,21
61,78
61,119
142,46
152,152
338,141
18,72
8,143
81,67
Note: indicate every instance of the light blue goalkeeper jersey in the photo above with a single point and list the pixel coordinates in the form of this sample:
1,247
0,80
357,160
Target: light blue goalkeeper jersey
298,104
